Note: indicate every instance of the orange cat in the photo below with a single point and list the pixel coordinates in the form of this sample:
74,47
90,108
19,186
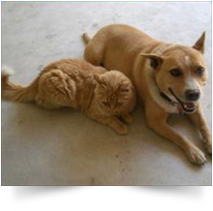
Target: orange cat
106,96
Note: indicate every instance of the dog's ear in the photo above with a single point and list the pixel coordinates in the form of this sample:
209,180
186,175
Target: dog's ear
199,45
155,60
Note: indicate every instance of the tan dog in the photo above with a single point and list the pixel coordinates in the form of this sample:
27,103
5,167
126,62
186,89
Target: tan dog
168,78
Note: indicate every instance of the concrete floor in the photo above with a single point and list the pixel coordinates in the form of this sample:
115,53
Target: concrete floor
64,147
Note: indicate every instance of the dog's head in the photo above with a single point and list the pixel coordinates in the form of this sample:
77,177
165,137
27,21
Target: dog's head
180,73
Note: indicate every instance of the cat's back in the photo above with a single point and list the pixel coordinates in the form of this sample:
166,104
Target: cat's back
74,67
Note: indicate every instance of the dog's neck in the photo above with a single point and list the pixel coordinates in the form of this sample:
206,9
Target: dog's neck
160,49
156,93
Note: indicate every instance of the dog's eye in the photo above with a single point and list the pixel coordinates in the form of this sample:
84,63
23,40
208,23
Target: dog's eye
176,72
200,70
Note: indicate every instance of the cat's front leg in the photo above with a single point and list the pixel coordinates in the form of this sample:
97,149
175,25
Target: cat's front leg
127,118
112,122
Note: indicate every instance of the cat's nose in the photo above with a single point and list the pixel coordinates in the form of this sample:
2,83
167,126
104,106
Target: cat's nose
192,95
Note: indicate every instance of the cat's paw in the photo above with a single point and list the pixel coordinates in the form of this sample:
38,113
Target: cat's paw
127,119
196,156
122,129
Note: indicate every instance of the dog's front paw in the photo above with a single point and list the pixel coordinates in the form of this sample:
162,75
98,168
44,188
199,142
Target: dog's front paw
208,146
196,156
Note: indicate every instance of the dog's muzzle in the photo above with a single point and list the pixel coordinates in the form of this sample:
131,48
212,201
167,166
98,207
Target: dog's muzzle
188,107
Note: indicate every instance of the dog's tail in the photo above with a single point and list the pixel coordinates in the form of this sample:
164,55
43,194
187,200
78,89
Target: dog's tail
14,92
86,38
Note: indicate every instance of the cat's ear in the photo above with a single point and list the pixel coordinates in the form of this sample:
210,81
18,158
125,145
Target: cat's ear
155,60
124,86
97,78
100,80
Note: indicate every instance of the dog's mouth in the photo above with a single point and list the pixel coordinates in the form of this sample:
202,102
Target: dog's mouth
188,107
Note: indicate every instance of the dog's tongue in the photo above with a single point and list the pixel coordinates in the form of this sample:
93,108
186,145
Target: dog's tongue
188,105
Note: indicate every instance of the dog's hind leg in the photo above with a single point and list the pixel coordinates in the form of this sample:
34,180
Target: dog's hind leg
94,50
94,54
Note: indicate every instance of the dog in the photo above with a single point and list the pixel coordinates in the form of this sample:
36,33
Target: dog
168,78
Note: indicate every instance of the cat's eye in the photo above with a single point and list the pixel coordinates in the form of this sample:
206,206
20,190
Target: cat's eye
119,103
200,70
124,90
176,72
105,103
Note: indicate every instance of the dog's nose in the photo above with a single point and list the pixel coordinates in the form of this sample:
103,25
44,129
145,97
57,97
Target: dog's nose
192,95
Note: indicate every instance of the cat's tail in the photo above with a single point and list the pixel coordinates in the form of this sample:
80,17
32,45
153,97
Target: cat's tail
86,38
14,92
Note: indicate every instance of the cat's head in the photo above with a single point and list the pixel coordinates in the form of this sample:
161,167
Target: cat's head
115,93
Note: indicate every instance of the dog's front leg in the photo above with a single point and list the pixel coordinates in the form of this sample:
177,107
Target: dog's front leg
157,120
198,119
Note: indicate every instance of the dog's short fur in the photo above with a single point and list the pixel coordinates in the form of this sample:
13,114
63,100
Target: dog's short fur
106,96
168,78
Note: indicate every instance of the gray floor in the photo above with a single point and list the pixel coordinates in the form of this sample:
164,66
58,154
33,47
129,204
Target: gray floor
64,147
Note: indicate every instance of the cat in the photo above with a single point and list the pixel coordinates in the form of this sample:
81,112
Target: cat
105,96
